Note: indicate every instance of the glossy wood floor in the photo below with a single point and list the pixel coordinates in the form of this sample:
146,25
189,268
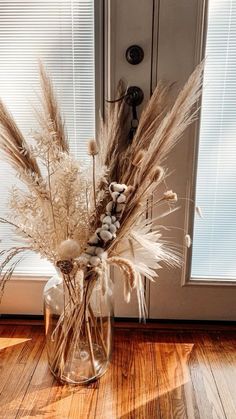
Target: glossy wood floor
154,374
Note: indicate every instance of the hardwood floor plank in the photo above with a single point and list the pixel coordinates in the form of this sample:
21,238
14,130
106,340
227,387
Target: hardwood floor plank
176,394
59,402
186,397
34,403
221,355
207,396
25,361
116,392
13,341
146,378
84,402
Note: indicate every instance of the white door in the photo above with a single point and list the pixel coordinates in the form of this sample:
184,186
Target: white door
61,32
206,286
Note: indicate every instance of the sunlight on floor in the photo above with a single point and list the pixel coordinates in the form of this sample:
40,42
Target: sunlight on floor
7,342
173,376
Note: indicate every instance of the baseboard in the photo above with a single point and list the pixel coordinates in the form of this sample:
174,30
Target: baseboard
130,323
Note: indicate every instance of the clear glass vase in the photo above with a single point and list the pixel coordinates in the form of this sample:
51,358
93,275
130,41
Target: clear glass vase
78,331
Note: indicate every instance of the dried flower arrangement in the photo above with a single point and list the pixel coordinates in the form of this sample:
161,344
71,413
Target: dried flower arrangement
84,219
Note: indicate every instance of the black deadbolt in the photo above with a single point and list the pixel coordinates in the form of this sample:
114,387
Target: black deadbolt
134,96
134,54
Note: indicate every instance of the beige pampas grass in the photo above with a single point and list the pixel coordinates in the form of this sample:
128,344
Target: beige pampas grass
60,214
112,140
137,160
158,145
50,117
14,145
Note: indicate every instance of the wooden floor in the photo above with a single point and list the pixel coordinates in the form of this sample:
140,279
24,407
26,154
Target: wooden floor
154,374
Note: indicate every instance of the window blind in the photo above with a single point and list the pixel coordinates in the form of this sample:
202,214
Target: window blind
214,240
61,34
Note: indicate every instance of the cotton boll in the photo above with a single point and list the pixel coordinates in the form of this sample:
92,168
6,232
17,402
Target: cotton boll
105,227
112,186
107,219
98,231
117,224
109,206
112,229
94,240
68,249
121,199
123,187
119,207
103,256
117,187
102,216
115,195
99,251
113,218
95,261
105,235
84,259
91,250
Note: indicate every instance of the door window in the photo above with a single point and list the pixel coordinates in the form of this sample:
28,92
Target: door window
61,34
214,242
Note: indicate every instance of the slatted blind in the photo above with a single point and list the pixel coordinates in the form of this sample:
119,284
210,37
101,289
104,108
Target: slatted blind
61,34
214,242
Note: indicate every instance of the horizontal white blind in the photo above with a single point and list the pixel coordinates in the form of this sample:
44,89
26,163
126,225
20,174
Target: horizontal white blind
61,34
214,242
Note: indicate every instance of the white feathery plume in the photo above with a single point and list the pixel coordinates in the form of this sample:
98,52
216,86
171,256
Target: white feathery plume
145,248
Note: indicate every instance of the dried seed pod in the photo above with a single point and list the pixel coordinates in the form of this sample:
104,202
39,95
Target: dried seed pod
170,196
92,148
68,249
65,266
157,174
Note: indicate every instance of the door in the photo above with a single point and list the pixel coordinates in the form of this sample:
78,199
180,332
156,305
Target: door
203,163
70,36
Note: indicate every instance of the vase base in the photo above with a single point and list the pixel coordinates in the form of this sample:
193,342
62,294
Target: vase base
80,369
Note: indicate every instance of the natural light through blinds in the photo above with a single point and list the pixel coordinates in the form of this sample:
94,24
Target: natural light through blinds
214,243
61,34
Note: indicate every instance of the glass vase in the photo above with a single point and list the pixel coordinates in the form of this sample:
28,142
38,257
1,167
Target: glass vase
78,330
